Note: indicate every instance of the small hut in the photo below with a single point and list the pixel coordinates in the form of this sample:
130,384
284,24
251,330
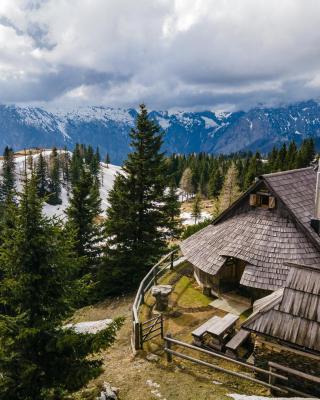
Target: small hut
286,325
247,248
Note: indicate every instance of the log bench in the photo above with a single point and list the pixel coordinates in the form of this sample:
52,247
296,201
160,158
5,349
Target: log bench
233,346
198,333
221,330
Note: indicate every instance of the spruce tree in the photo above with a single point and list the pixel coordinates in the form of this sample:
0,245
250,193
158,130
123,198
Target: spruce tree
215,183
54,178
41,171
7,184
136,218
107,160
82,212
39,358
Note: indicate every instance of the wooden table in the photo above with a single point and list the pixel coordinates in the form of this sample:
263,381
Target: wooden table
221,330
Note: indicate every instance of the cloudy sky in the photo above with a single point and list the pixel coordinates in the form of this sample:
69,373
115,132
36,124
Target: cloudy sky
171,54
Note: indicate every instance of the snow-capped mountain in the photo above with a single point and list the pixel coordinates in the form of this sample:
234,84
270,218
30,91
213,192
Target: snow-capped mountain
185,132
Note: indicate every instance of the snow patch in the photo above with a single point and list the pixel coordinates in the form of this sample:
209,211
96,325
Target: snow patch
90,326
209,123
164,123
188,219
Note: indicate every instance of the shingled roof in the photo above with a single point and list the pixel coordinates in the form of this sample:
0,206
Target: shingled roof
294,315
296,189
265,240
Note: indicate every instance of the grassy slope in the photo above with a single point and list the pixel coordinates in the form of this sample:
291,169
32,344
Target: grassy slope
138,378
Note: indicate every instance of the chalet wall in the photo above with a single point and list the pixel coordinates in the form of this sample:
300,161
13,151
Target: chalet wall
267,350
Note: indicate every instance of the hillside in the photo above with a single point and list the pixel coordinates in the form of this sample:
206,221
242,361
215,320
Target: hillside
185,132
108,174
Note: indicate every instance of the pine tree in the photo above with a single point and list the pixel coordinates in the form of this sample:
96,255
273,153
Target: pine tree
7,185
230,190
41,171
186,183
54,178
196,208
65,165
215,183
107,160
39,358
136,218
82,212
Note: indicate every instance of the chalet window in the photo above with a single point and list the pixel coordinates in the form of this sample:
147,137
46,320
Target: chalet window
263,200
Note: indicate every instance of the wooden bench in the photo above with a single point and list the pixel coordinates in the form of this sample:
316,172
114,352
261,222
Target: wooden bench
198,333
235,343
221,329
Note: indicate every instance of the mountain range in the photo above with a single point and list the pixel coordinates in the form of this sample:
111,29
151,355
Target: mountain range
184,132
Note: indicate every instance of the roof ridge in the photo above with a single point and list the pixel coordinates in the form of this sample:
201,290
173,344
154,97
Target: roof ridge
290,171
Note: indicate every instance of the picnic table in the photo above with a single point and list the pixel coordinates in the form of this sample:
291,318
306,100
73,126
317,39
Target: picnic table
198,333
221,330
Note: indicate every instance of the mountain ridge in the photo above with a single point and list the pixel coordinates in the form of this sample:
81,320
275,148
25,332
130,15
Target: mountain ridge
184,132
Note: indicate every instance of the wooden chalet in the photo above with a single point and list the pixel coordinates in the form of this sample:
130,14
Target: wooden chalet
248,246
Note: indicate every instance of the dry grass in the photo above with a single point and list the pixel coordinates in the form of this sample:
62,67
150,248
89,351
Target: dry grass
206,205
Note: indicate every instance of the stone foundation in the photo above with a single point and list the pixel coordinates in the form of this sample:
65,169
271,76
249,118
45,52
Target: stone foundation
265,350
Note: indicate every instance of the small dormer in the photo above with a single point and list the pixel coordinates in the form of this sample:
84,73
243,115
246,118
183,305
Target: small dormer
262,199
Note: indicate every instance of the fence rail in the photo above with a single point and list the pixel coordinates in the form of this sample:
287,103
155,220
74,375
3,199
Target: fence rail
276,371
166,263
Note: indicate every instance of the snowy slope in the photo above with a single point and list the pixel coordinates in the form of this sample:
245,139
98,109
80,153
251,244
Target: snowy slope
107,177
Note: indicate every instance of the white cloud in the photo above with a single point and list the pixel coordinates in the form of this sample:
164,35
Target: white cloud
168,53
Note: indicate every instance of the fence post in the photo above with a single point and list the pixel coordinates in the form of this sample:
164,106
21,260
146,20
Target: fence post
161,325
272,379
136,330
171,260
168,346
141,336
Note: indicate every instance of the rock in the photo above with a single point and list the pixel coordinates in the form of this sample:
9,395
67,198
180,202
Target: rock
109,392
153,358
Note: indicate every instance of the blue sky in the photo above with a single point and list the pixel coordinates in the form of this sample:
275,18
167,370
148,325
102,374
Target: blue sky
170,54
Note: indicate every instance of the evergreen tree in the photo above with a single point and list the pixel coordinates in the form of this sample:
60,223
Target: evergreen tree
215,183
186,182
107,160
39,358
82,212
41,171
54,178
7,185
254,170
172,209
230,190
196,208
136,218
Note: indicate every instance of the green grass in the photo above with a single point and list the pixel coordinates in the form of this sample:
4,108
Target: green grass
187,296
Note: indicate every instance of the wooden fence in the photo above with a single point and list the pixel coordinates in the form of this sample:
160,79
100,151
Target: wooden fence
138,336
273,374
